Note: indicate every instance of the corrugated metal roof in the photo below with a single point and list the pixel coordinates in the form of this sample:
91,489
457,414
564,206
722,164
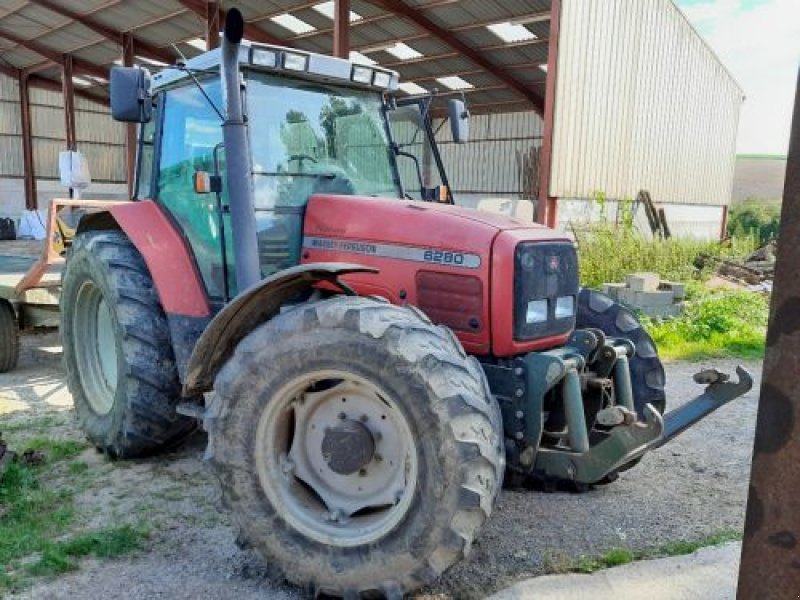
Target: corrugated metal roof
162,23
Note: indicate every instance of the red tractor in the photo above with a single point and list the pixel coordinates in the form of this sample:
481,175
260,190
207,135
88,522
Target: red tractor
369,359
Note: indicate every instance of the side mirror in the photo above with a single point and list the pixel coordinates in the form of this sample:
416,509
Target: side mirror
459,120
130,95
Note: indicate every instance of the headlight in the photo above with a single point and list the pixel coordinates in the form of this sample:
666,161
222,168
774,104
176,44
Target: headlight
264,58
536,312
565,307
362,75
382,79
295,62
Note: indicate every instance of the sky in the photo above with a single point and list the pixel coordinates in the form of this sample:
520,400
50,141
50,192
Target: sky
759,42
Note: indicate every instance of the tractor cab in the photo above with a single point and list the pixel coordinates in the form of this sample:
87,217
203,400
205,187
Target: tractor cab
317,125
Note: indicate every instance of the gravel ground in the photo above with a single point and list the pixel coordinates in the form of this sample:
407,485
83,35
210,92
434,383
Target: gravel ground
693,487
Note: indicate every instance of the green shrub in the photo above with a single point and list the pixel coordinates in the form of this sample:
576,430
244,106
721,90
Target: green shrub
607,254
732,325
759,218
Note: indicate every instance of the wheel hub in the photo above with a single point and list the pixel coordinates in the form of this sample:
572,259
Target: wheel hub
338,460
348,447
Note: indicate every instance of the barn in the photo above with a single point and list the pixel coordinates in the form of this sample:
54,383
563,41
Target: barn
576,105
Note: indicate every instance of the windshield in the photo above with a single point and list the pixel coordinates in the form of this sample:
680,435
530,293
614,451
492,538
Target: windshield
309,137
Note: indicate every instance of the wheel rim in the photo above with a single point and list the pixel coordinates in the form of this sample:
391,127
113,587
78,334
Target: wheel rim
336,458
95,348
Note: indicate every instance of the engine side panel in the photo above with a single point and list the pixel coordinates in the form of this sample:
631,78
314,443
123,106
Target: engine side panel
426,256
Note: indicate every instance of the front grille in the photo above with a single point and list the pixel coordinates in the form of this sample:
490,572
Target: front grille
452,300
543,271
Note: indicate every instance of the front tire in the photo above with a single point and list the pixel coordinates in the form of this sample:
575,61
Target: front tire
357,445
117,349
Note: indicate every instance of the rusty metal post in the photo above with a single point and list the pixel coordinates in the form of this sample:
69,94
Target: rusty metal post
547,206
212,24
770,567
341,28
27,143
68,92
130,128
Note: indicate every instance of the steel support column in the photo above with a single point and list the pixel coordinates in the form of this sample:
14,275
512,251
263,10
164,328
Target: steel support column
68,92
27,143
212,24
547,206
770,566
130,128
341,28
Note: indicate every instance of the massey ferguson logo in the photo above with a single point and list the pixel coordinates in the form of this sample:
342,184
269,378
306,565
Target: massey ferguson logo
553,262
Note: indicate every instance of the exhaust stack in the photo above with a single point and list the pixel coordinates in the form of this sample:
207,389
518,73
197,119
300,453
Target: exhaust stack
237,158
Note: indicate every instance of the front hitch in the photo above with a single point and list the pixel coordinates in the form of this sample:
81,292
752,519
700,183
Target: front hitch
628,441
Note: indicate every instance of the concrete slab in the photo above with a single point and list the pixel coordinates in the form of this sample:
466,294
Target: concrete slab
708,574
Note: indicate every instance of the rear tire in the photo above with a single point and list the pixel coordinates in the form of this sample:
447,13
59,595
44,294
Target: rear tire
334,355
117,349
9,337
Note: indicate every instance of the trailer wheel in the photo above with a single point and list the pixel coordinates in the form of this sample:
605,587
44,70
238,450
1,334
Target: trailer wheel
357,445
117,350
647,373
9,337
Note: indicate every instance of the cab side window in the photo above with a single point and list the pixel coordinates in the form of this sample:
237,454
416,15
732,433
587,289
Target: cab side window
190,133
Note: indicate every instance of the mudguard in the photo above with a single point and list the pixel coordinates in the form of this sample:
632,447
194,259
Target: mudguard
248,310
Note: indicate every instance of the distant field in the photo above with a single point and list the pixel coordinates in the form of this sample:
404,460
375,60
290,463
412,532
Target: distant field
758,176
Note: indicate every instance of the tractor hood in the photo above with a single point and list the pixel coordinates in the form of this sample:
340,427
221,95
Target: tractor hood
413,223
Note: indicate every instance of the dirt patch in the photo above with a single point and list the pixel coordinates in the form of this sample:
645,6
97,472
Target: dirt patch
694,487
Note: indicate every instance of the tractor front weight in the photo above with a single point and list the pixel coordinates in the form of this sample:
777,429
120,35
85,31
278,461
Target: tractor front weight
570,413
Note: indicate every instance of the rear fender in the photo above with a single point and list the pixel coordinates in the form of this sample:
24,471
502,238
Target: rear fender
164,250
249,309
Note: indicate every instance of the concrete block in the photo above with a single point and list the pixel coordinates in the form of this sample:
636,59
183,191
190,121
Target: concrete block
613,289
626,296
643,282
643,299
664,311
678,289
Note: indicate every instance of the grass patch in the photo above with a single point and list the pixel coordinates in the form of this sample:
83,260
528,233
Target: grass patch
37,424
56,450
607,254
733,325
33,516
560,563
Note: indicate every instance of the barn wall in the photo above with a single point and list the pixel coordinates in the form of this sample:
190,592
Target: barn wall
99,138
641,103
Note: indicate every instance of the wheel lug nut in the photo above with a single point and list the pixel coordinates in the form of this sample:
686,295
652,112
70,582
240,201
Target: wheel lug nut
378,458
342,416
364,418
362,472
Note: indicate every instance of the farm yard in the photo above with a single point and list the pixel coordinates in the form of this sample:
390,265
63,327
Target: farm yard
94,527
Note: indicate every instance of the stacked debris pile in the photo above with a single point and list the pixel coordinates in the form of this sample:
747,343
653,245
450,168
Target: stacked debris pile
647,293
756,270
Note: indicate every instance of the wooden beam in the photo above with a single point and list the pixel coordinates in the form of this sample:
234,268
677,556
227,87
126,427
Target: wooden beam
213,24
78,65
420,20
251,32
547,205
142,48
341,28
29,172
68,92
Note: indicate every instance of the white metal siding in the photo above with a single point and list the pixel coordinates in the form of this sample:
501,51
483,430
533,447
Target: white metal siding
641,103
100,138
491,162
